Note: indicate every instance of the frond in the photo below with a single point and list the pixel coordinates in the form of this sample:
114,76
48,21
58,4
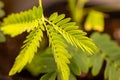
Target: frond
16,24
109,51
72,33
61,55
27,53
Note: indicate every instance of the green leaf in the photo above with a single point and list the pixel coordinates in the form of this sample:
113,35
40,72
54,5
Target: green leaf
72,77
53,16
2,37
72,34
95,21
111,72
49,76
58,18
114,74
2,13
108,46
75,69
1,4
27,53
97,62
110,52
16,24
61,55
64,21
82,60
43,62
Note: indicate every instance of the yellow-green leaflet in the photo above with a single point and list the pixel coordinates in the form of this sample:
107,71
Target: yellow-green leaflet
28,50
16,24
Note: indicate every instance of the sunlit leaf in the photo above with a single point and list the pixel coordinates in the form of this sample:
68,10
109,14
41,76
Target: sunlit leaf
28,50
21,22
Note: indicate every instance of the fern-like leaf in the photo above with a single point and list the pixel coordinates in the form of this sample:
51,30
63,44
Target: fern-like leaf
56,27
108,51
27,53
60,53
23,21
72,33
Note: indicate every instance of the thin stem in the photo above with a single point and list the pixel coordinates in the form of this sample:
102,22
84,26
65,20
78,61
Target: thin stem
40,3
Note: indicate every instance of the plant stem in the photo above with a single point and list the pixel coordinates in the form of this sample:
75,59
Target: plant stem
40,3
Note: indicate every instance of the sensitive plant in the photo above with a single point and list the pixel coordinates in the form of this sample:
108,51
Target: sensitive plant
59,30
81,62
67,54
109,51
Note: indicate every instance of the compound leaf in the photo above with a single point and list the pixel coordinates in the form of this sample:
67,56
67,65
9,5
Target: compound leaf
110,52
61,55
16,24
72,34
27,53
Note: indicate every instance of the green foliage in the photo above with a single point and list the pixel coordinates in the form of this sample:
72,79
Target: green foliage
60,61
95,18
77,9
2,37
95,21
27,53
96,63
49,76
108,51
72,34
59,47
81,60
57,28
2,13
43,62
16,24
